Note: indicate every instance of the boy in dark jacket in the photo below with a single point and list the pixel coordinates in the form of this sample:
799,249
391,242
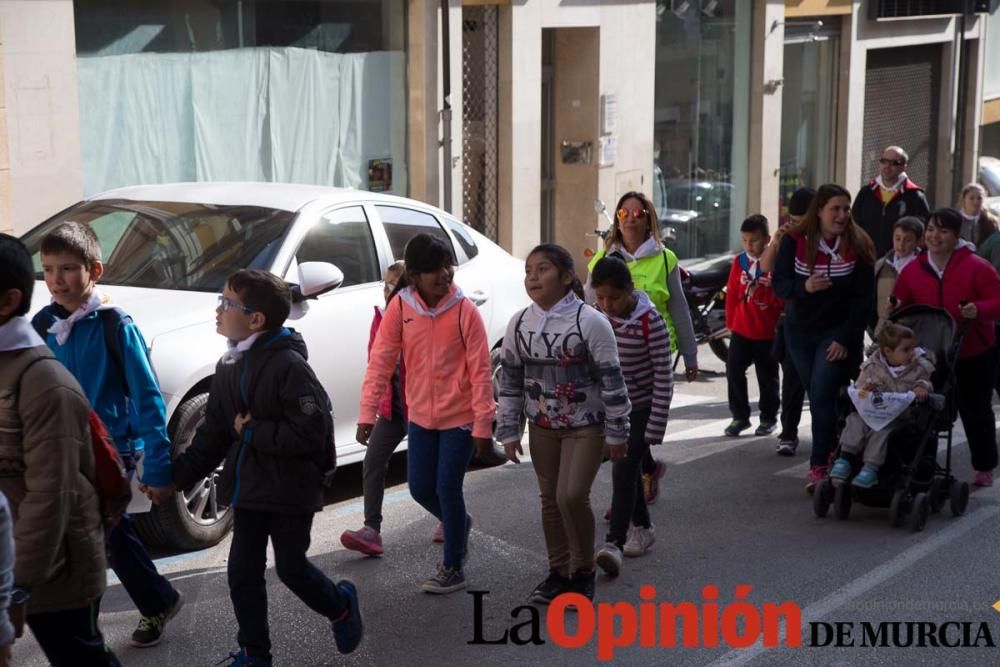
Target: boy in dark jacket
269,418
105,351
752,312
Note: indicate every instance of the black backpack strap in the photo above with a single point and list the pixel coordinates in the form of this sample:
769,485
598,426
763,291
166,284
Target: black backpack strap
579,328
41,322
112,320
517,332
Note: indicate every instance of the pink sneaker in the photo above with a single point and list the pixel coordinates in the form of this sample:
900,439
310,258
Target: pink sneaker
439,534
816,475
651,482
367,540
983,478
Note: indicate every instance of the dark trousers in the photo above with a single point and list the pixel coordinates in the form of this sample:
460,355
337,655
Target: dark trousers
289,535
823,381
385,437
149,590
436,466
742,353
976,379
72,638
628,501
793,394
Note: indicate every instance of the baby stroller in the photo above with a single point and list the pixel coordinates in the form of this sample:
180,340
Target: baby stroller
911,482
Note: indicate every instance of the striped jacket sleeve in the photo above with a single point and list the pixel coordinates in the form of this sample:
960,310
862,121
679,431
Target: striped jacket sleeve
663,377
606,366
511,401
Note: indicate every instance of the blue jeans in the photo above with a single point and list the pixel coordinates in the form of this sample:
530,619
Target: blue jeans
435,472
823,381
149,590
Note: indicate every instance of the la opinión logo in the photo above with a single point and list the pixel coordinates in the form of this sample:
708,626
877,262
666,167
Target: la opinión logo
649,624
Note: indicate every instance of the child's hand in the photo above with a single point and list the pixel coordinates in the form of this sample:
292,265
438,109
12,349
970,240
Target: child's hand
969,311
862,394
921,393
484,447
512,449
616,452
240,421
159,494
363,433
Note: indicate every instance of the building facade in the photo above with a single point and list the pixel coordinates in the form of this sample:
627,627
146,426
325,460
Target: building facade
515,115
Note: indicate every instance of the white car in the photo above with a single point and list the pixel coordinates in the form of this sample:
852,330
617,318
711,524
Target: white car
168,250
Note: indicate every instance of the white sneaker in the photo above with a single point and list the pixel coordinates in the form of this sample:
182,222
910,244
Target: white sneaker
639,541
609,559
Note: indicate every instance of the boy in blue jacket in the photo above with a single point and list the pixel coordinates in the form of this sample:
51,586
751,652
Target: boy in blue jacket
106,353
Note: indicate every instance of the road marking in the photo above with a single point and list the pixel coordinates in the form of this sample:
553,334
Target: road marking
865,583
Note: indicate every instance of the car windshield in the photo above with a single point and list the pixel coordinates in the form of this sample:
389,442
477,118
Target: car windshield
173,245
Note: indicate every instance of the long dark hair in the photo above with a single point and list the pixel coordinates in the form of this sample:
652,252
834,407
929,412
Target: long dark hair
853,237
423,254
562,260
986,223
615,235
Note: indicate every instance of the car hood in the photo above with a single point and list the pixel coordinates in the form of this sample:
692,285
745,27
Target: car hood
156,311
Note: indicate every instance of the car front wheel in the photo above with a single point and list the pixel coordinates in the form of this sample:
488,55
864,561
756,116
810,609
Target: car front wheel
193,519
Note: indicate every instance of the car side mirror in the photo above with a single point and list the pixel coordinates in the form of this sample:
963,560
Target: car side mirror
316,278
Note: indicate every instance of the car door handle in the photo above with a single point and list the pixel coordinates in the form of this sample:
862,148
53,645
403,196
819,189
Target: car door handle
479,297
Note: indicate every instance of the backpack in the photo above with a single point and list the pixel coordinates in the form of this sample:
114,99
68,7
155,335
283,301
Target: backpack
114,489
111,481
111,320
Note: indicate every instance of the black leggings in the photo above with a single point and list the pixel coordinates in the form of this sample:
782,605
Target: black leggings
977,377
628,501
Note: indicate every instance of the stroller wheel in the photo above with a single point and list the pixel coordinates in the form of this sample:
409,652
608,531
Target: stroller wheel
938,494
959,497
898,508
842,501
921,509
822,498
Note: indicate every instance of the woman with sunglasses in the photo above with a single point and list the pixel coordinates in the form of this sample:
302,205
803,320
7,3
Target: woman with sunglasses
825,274
950,276
635,238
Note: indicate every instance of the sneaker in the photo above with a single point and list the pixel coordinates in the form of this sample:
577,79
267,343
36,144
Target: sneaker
867,478
367,540
609,559
983,478
547,591
841,469
787,445
736,427
438,534
651,482
447,580
583,582
639,541
241,659
348,629
150,630
766,427
816,475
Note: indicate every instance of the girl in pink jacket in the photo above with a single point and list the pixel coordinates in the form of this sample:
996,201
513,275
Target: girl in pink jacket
449,391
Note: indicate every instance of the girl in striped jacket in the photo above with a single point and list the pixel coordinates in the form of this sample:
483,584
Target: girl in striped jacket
644,353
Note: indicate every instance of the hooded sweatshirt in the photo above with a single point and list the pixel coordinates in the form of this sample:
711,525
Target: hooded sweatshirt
560,368
644,351
753,316
966,278
447,358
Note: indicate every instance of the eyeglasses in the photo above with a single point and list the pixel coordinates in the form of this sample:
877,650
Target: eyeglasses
637,213
228,304
895,163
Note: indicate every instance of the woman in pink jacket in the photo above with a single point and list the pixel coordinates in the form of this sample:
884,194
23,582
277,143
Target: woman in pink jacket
950,276
449,391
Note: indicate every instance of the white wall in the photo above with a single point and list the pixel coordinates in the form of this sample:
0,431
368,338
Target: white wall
43,126
991,80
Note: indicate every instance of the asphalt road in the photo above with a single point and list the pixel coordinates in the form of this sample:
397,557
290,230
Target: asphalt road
731,513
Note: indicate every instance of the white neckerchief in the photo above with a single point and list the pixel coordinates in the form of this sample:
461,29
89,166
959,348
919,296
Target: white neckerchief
895,188
969,218
832,252
236,349
899,263
648,248
754,263
939,272
62,328
642,306
18,334
412,298
568,303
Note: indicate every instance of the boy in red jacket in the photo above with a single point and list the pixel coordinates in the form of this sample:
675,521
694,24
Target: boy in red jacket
752,312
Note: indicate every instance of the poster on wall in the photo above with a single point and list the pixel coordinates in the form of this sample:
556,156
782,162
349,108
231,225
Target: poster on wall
380,175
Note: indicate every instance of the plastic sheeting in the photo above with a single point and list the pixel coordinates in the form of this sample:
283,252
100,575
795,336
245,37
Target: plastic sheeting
263,114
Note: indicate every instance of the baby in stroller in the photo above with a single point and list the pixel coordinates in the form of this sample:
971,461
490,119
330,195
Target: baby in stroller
895,365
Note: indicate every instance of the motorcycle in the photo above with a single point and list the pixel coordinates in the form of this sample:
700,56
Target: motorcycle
704,291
